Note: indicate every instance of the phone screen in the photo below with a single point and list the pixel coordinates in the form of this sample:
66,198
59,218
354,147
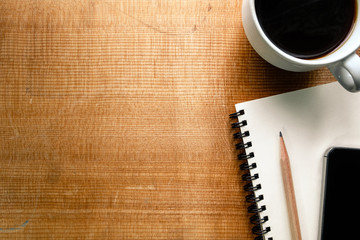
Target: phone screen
340,212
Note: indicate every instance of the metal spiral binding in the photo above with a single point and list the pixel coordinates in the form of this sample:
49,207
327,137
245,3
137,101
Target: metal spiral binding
251,198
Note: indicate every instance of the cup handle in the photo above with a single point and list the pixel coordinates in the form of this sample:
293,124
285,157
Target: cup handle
347,72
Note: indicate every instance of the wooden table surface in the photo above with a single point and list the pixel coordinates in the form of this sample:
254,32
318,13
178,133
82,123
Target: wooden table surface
114,118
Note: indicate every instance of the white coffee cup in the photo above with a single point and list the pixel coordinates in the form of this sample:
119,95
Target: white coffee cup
343,63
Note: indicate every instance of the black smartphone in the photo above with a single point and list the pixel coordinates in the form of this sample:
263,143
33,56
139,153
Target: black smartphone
340,201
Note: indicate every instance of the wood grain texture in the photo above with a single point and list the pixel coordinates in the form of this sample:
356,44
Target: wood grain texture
114,118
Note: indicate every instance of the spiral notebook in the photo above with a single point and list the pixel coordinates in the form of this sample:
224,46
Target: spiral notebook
312,120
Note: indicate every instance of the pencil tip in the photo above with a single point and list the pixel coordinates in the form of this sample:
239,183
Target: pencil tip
280,134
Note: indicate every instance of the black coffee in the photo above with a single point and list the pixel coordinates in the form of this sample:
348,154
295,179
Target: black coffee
306,28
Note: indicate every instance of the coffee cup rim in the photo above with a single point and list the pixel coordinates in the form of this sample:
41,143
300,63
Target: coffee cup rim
347,48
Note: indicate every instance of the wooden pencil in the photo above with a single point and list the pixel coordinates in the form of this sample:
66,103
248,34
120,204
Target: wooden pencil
289,191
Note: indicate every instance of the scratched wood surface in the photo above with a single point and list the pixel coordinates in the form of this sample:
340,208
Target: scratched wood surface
114,118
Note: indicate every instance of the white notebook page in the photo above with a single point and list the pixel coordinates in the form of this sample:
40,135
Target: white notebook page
312,120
